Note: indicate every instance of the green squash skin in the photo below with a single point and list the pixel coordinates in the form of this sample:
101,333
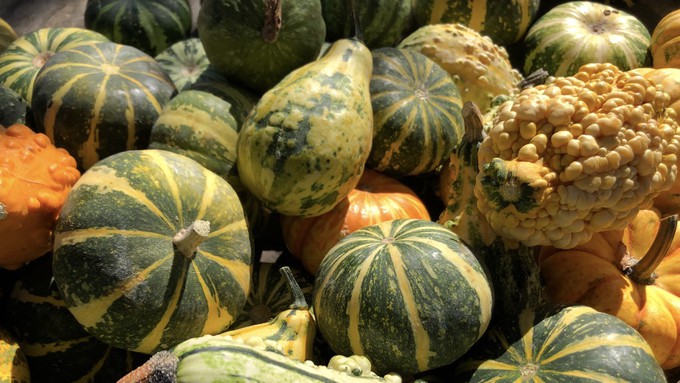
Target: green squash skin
417,113
198,125
99,99
407,294
571,344
56,346
13,363
13,109
150,25
133,290
23,58
505,21
306,141
384,23
184,61
231,32
562,40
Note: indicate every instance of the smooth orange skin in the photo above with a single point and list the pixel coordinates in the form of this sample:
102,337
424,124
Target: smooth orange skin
35,178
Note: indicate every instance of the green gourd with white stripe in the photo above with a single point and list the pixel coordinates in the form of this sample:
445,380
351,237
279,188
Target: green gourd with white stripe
184,61
408,294
151,249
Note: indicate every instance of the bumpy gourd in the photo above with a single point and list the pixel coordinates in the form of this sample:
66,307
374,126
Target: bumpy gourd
35,178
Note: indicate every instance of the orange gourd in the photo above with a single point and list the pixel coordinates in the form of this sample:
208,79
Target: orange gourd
35,177
376,198
633,274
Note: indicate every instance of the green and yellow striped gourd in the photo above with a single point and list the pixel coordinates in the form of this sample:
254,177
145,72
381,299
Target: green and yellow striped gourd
184,61
7,34
13,363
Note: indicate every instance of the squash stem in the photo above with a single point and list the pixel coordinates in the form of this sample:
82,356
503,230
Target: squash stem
299,301
272,20
351,8
161,367
188,239
474,122
642,272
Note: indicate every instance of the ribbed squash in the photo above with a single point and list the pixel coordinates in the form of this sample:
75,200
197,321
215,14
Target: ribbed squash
576,33
13,364
23,58
502,20
149,25
665,41
151,249
417,117
184,61
566,344
7,35
56,346
406,293
99,99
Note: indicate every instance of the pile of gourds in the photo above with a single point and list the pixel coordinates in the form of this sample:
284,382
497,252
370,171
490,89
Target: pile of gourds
340,191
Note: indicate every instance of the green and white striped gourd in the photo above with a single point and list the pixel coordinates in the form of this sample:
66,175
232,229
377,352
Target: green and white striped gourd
7,34
241,99
184,61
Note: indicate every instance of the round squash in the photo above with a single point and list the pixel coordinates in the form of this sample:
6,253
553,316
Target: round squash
406,293
13,109
184,61
665,41
7,35
13,363
150,249
99,99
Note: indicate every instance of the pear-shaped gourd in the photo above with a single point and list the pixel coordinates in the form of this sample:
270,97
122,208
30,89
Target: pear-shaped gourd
303,147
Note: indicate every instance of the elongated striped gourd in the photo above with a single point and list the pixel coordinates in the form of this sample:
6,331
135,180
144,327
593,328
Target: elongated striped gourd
152,249
406,293
99,99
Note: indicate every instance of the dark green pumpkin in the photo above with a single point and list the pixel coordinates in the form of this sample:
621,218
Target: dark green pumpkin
120,266
184,61
13,107
417,113
149,25
99,99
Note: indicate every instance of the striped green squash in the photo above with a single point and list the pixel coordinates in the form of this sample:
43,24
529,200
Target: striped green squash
13,363
56,346
23,58
241,99
184,61
7,34
99,99
417,113
198,125
575,33
504,21
407,294
150,249
149,25
570,344
13,107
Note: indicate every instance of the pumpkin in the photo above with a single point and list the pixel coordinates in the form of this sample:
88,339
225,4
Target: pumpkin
99,99
416,113
576,33
505,22
13,364
560,344
665,41
630,273
35,178
184,62
14,108
405,293
258,42
376,198
7,34
150,249
23,58
56,346
150,25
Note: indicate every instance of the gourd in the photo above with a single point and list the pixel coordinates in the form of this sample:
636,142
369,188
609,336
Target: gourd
505,22
304,145
416,113
577,33
99,99
150,26
407,284
151,249
35,179
184,62
558,344
665,41
14,108
7,34
376,198
23,58
258,42
13,364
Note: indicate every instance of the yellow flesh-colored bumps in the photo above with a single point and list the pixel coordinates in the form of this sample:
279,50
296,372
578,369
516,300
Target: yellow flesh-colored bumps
577,155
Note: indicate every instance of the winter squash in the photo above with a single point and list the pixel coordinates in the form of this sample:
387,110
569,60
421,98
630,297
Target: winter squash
576,33
35,178
150,26
376,198
14,109
7,35
13,364
99,99
416,113
166,244
665,41
184,62
406,293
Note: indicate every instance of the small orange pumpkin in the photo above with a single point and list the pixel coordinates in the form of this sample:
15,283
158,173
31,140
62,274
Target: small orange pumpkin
633,274
35,177
376,198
